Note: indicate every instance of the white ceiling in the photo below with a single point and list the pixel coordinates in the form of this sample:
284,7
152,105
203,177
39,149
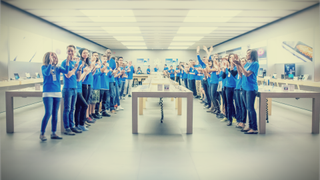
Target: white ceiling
126,24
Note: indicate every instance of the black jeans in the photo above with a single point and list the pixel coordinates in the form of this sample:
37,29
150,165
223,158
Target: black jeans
104,96
224,100
193,86
185,82
205,86
178,79
243,99
86,91
241,111
81,109
250,99
172,78
229,102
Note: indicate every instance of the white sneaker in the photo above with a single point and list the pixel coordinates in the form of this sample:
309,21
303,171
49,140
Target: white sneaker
117,109
120,108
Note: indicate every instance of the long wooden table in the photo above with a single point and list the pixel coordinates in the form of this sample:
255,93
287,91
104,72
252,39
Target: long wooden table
27,92
287,81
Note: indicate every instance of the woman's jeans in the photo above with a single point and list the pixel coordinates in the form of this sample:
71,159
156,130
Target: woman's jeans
112,100
51,105
206,89
213,95
122,84
250,99
178,79
229,100
241,112
117,97
186,82
70,98
81,109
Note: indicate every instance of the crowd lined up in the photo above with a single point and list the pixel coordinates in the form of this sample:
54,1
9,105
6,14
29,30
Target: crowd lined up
94,87
230,81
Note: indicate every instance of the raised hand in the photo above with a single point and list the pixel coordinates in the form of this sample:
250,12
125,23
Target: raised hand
50,58
205,48
198,49
211,49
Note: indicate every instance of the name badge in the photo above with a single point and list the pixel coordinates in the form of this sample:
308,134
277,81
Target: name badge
238,77
229,74
54,77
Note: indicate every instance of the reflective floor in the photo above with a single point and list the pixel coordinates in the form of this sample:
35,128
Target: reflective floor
162,151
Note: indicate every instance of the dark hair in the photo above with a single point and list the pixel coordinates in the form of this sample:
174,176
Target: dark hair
87,61
71,46
248,50
182,66
165,64
210,60
120,57
229,57
254,55
139,67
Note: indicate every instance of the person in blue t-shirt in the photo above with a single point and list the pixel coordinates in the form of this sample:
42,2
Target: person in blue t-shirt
96,86
171,72
178,73
112,65
105,91
192,74
156,69
52,91
241,115
250,85
165,71
130,70
148,70
123,79
229,73
69,92
139,71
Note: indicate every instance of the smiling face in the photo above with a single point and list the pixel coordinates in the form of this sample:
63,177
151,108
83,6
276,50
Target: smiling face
108,53
96,55
54,59
70,51
248,55
243,61
85,54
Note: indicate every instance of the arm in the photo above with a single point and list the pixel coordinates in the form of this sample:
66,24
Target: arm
72,72
246,73
46,70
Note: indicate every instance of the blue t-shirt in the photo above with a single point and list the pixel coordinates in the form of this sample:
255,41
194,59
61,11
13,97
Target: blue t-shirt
72,81
112,66
192,76
214,79
48,72
230,80
178,73
165,68
130,74
148,71
139,71
89,79
199,76
250,83
171,71
97,79
122,79
238,82
156,69
105,80
79,83
221,79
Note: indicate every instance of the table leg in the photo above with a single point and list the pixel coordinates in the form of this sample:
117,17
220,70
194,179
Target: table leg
315,115
179,106
144,103
9,113
189,113
262,114
134,114
176,103
61,116
171,99
140,106
269,106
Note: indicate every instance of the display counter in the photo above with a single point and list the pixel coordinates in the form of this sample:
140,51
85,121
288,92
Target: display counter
298,83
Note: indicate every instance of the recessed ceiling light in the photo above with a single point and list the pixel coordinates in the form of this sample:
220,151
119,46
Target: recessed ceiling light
134,43
178,47
108,13
113,19
122,30
129,38
187,38
142,47
196,30
213,13
181,43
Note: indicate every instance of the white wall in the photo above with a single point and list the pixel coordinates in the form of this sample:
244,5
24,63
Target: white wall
13,18
155,56
307,20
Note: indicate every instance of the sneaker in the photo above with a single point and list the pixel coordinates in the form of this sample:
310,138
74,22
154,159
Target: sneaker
83,128
43,138
54,136
89,120
116,108
234,120
129,95
69,132
120,108
224,119
96,116
76,130
87,124
220,116
105,114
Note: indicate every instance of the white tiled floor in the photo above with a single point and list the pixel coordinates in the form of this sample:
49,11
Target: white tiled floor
162,151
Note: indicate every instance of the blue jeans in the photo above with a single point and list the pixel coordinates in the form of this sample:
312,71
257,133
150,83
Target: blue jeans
206,89
112,90
250,99
186,83
229,101
213,95
51,105
122,88
243,99
240,107
117,97
70,98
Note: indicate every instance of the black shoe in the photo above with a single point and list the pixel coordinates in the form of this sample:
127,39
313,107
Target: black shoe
55,137
208,107
96,116
220,116
129,95
90,121
106,114
87,124
229,123
75,130
245,130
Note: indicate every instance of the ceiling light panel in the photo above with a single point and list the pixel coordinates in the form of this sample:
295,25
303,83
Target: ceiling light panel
196,30
213,13
108,13
134,43
187,38
128,38
122,30
181,43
